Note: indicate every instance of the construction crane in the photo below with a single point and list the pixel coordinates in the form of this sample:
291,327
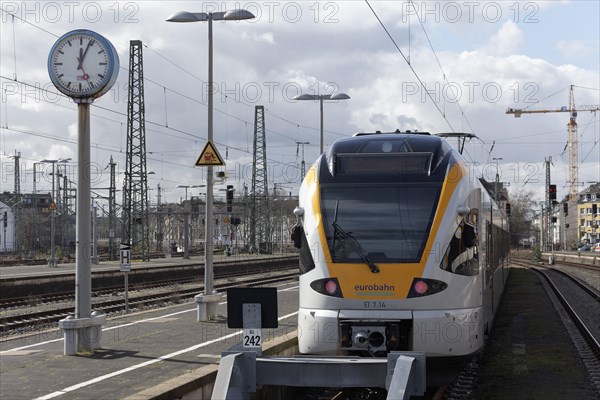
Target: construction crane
572,142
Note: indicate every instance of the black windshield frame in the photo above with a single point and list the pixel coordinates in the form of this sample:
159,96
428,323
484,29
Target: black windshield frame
391,221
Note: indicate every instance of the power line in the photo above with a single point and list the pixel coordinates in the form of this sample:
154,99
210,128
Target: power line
410,66
188,136
181,94
440,65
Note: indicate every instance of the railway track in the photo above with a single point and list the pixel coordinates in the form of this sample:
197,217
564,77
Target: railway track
580,302
38,319
34,300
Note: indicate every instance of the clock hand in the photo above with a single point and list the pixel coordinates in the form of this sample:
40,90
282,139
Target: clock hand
86,49
82,54
80,59
85,76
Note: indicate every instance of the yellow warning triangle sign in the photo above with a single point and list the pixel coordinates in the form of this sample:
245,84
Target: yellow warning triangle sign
209,157
52,206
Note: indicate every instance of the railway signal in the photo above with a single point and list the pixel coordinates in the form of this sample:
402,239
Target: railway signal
552,192
229,197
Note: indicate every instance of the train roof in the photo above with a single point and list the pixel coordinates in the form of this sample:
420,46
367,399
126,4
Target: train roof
391,142
391,152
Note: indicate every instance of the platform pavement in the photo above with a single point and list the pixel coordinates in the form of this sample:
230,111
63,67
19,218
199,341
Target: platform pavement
138,351
37,270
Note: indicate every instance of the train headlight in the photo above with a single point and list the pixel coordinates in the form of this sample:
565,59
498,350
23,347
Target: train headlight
331,286
327,286
425,287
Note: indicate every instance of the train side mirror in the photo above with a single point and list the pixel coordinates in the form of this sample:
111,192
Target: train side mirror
469,236
297,232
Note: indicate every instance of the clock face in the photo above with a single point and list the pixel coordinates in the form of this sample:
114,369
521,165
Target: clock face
83,64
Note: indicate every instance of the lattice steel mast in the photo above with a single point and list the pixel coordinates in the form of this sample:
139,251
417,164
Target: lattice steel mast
17,200
135,208
112,212
259,213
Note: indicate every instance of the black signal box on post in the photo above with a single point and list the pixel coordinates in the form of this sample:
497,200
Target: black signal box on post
229,197
552,192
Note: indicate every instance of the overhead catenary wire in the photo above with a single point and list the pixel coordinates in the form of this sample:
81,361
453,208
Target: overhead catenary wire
410,66
165,88
189,136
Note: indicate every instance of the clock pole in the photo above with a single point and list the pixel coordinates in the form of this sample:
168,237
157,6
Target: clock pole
74,71
83,274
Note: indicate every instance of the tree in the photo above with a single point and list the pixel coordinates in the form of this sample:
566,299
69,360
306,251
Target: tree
522,215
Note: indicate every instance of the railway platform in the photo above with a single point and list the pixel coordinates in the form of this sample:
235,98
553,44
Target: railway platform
139,351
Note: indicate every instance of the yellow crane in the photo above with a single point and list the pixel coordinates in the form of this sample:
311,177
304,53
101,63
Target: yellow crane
573,142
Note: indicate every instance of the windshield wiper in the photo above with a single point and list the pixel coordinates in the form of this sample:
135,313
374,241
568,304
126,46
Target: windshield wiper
347,237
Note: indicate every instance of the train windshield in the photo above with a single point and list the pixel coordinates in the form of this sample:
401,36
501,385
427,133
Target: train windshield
378,223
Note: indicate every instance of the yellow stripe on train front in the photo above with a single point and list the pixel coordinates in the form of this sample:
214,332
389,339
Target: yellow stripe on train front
394,280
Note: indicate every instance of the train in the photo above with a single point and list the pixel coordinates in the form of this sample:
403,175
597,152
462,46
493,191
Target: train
401,248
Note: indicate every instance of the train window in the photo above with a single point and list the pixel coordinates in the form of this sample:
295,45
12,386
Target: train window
462,256
394,162
389,223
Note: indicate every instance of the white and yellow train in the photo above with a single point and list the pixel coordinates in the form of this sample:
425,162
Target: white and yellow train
401,249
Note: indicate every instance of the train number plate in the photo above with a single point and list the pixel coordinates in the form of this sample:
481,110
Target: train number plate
252,338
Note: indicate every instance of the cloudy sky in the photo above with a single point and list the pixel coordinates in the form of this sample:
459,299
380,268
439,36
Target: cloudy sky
431,66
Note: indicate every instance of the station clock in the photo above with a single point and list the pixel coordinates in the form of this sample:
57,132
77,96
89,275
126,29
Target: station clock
83,64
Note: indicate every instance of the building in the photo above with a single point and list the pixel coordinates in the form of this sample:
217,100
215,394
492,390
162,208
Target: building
569,229
588,214
27,227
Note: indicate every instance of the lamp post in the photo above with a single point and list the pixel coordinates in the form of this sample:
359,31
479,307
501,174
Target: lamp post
207,302
53,262
321,97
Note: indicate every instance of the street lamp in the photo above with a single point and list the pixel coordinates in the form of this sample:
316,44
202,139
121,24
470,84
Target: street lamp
321,97
53,262
207,302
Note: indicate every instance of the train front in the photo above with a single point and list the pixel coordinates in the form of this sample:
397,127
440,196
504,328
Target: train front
387,249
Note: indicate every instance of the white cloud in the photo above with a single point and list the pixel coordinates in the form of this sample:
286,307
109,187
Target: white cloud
340,44
267,37
573,48
506,41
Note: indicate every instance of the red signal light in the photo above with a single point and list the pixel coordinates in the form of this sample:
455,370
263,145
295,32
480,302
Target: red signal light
552,192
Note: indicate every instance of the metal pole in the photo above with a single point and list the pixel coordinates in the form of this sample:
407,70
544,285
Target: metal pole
126,292
83,275
35,206
186,227
95,259
321,136
52,261
208,237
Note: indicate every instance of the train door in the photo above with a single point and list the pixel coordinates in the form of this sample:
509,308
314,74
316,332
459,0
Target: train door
488,276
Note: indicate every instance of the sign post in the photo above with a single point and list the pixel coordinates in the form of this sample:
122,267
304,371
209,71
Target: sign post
210,157
125,266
